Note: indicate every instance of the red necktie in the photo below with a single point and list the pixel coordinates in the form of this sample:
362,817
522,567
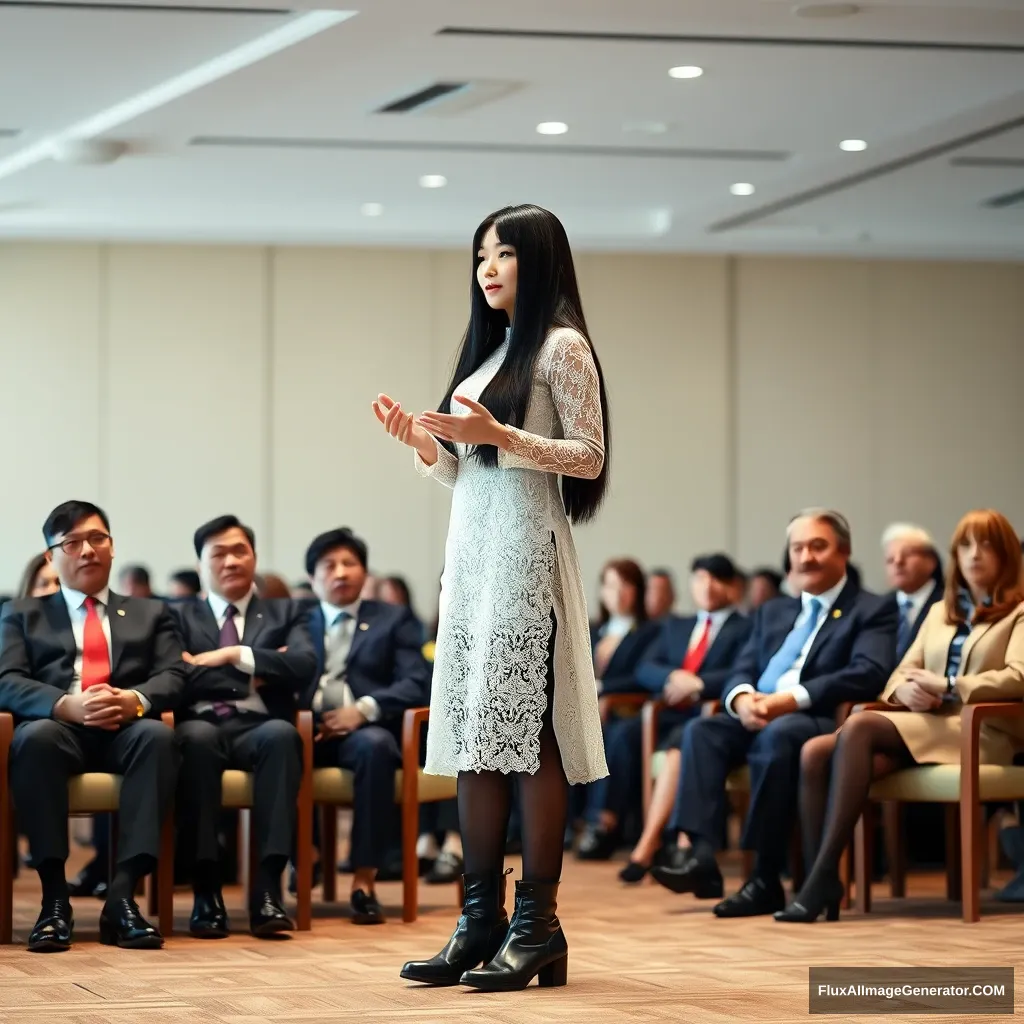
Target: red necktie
95,652
695,655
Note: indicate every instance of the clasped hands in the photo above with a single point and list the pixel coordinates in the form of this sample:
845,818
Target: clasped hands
339,722
476,427
99,707
921,690
756,710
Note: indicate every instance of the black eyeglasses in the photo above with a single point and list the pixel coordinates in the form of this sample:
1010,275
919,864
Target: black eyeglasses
73,545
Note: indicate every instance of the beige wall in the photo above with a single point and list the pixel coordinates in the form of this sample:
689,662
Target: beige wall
171,384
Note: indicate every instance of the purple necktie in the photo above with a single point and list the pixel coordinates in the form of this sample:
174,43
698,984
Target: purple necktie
228,638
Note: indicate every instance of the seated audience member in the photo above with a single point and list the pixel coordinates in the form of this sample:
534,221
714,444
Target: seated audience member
689,662
371,671
765,585
184,585
82,670
303,591
970,649
39,578
914,571
250,660
661,595
805,657
623,631
272,587
134,581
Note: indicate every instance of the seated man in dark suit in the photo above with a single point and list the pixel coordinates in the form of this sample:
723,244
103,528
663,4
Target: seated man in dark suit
914,571
251,660
84,671
688,660
804,658
372,670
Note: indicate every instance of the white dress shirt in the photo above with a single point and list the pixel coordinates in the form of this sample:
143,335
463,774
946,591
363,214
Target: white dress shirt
338,637
246,659
789,682
718,620
77,611
916,600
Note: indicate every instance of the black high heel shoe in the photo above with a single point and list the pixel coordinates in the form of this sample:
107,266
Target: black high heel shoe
478,935
809,903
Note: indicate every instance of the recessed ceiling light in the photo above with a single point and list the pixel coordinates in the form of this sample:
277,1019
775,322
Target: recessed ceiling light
826,10
686,71
742,188
552,128
371,209
853,145
433,181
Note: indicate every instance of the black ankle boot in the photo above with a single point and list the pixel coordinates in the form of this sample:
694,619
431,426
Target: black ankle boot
824,895
478,935
535,946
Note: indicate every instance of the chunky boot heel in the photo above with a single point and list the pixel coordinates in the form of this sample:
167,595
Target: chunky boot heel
477,938
535,946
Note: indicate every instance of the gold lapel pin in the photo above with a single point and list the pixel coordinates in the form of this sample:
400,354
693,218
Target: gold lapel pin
837,613
364,625
120,611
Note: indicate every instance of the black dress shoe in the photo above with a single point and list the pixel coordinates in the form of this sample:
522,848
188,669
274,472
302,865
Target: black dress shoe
53,928
810,901
122,924
757,897
209,916
682,872
448,868
366,909
633,872
267,917
597,844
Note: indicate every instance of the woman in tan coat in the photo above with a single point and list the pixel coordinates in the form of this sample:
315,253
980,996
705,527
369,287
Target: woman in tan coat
970,649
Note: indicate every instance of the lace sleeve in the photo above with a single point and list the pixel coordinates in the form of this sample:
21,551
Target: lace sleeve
444,471
576,393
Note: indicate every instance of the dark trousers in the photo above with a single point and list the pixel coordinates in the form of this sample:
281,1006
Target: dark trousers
270,748
439,818
373,756
45,754
713,747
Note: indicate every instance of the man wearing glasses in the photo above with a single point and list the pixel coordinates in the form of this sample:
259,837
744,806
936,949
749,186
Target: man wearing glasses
85,672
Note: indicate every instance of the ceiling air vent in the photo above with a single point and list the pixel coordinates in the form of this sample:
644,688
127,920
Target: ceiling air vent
443,99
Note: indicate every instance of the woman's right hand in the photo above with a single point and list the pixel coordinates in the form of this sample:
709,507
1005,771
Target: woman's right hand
916,697
403,426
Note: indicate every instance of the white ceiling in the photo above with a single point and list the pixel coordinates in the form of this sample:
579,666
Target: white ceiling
289,148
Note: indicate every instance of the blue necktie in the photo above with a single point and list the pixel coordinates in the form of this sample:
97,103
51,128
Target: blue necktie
904,628
782,660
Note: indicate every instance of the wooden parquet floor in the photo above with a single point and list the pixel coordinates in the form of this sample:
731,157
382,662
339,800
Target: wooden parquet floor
636,954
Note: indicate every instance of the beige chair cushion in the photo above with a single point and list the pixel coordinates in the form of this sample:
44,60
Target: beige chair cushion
940,784
334,786
738,780
236,789
93,793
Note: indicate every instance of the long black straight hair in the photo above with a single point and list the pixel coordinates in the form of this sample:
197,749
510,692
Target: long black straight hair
547,296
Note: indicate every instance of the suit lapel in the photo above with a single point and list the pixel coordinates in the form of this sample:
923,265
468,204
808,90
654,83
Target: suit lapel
972,638
367,614
117,617
255,619
721,641
833,621
59,621
207,623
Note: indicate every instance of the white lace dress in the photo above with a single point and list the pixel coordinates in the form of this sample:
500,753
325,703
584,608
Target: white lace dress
503,576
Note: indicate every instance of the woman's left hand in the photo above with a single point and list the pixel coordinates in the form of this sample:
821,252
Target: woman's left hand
929,681
478,426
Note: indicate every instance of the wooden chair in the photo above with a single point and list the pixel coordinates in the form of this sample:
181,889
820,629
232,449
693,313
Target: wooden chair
332,788
237,794
969,784
90,793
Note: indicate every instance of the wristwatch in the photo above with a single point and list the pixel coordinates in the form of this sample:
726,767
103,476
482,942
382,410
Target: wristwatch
950,684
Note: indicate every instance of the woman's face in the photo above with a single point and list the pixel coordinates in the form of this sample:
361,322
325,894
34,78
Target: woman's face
978,563
390,594
617,596
46,582
496,272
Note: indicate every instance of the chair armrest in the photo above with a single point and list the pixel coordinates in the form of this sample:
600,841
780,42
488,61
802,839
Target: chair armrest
304,725
971,718
609,702
649,729
6,739
413,722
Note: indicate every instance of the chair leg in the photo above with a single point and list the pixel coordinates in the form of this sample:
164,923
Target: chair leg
8,852
953,858
796,858
895,849
846,875
329,851
163,878
863,836
304,863
410,862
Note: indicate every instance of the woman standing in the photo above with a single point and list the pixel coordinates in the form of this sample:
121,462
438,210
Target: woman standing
526,405
970,649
